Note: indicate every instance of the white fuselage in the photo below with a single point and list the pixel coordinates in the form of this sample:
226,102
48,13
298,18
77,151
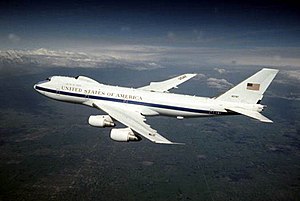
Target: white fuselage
129,106
86,91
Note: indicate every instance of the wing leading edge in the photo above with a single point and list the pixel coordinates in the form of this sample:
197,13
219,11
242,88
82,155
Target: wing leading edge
134,120
165,86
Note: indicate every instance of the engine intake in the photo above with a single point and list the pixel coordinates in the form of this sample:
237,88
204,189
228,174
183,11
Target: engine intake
123,135
101,121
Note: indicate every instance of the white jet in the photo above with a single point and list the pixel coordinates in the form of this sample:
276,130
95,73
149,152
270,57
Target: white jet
129,106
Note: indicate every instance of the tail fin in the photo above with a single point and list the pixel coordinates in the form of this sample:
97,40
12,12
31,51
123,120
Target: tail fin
252,89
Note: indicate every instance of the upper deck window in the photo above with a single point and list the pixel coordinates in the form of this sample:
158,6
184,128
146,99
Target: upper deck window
86,79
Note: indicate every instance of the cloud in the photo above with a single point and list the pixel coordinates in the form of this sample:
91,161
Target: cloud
199,76
220,70
49,58
275,61
149,57
281,57
292,74
220,84
14,38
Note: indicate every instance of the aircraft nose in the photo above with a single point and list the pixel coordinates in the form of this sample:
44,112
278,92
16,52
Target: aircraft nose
35,87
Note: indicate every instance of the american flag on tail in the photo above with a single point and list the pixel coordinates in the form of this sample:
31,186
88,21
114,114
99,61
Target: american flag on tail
253,86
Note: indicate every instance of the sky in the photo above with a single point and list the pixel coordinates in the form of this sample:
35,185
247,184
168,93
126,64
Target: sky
75,24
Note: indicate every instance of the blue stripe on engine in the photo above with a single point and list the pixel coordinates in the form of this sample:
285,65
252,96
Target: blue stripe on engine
126,101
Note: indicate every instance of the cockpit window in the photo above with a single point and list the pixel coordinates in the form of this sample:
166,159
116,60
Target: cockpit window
46,80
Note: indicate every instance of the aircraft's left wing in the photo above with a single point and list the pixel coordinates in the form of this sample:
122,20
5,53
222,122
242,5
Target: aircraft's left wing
165,86
133,119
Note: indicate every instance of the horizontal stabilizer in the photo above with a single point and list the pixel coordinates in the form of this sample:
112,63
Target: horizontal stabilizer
249,113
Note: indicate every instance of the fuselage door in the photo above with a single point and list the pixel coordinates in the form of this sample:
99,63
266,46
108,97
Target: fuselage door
58,91
87,97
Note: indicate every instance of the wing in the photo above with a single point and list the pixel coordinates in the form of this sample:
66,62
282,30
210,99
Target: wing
165,86
133,119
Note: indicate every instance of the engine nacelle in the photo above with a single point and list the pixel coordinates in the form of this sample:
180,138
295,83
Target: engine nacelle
123,135
101,121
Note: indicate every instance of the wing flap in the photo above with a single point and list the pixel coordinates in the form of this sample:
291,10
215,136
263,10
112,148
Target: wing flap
249,113
165,86
133,120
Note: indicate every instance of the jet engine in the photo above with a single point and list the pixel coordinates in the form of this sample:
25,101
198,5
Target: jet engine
101,121
123,135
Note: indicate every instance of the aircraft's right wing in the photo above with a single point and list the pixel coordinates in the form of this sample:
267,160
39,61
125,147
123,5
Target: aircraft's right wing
165,86
134,120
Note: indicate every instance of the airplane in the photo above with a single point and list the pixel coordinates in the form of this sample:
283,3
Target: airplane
130,106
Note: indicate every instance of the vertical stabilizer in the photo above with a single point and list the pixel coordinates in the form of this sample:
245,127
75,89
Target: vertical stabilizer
252,89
